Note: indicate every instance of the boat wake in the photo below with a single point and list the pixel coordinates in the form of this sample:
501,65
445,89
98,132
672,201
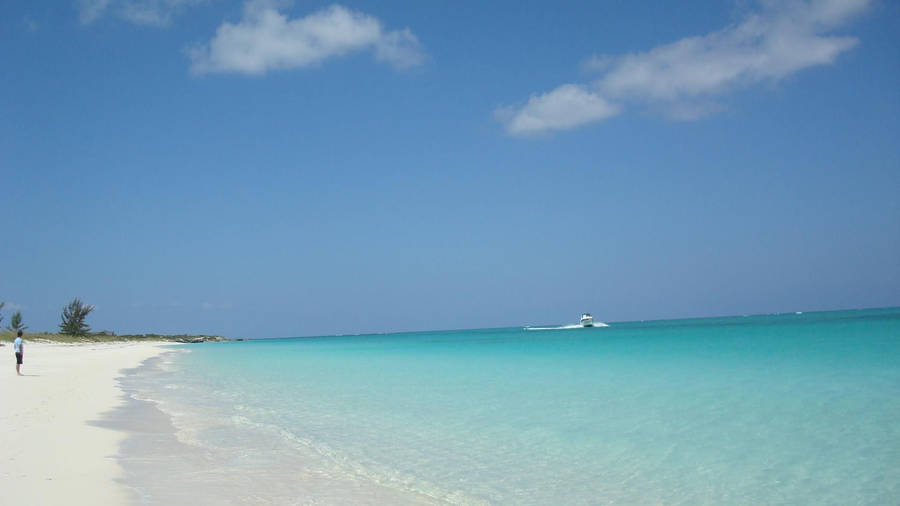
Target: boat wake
568,327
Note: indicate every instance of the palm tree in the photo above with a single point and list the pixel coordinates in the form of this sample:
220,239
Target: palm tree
73,317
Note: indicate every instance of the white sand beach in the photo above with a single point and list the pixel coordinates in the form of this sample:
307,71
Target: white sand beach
52,453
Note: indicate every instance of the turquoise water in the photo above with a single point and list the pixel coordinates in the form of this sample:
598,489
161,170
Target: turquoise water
780,409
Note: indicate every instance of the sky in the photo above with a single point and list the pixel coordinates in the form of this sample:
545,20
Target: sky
275,168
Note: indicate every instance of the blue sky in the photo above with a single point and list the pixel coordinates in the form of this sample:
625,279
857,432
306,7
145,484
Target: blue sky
256,168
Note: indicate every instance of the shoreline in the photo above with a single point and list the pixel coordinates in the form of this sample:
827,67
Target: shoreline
56,451
164,462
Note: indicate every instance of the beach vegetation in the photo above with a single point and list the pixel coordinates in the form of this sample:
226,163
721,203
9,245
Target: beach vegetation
1,307
15,323
7,336
74,329
73,317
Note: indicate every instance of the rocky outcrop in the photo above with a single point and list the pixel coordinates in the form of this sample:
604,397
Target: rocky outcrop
200,339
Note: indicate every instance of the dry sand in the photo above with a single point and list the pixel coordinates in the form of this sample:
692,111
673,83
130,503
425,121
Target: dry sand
51,452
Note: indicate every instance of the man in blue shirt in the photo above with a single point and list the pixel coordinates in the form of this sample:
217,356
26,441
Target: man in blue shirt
19,348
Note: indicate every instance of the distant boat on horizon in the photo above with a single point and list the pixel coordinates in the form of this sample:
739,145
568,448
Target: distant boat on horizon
587,320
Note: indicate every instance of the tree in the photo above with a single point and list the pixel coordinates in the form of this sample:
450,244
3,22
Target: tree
15,323
73,317
1,307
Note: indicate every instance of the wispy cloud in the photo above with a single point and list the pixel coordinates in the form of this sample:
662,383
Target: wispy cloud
566,107
265,39
683,79
91,10
141,12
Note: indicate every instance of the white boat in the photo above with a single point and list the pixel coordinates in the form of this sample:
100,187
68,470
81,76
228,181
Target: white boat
587,320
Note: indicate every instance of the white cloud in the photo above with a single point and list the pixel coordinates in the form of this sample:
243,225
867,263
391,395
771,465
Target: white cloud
767,46
399,48
266,39
566,107
683,79
91,10
141,12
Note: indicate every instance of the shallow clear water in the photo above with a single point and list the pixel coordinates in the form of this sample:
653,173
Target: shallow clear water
787,409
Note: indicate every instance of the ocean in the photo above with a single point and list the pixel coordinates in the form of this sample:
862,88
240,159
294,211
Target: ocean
772,409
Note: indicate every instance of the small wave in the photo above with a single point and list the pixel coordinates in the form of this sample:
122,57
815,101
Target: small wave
349,466
143,398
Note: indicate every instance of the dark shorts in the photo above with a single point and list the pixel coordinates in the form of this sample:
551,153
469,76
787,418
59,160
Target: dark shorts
18,358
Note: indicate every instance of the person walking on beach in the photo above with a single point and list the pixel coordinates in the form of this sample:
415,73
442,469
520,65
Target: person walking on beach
19,348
